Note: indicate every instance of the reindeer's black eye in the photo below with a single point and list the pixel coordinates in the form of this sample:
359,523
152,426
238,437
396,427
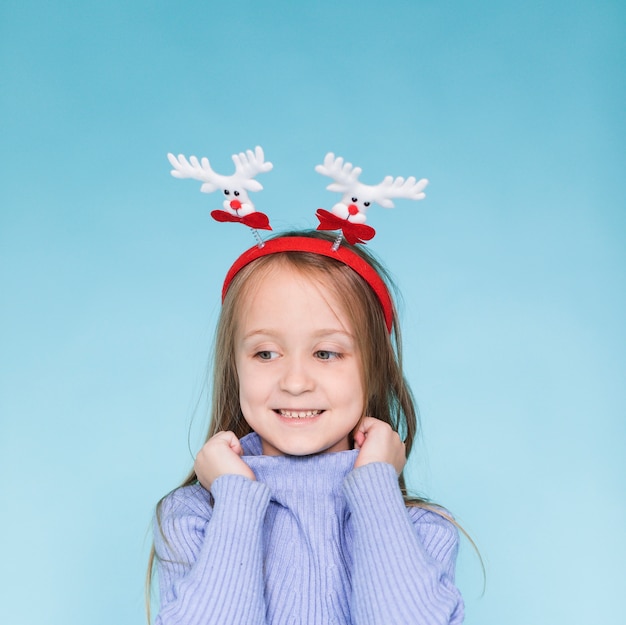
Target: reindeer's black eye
354,199
236,193
226,192
366,203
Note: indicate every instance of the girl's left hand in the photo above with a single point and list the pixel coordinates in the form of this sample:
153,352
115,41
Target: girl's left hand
377,442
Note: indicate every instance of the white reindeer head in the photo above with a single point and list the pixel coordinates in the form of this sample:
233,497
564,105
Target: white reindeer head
357,197
247,165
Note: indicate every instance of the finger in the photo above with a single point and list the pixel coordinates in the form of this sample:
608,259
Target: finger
359,439
367,423
233,442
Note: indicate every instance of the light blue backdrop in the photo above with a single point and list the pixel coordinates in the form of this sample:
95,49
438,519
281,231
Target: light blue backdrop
513,270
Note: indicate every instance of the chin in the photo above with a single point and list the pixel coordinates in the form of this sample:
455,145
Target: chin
306,448
299,450
304,451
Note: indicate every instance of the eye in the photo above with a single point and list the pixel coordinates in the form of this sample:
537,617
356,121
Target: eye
226,192
366,203
266,354
323,354
354,199
236,193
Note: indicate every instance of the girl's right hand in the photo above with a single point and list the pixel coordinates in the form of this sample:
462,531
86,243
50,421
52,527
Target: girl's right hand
220,455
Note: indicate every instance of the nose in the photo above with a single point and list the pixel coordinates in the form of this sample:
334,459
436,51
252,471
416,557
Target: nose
236,204
353,209
296,378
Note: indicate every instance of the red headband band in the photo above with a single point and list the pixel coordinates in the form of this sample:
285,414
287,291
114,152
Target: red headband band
324,248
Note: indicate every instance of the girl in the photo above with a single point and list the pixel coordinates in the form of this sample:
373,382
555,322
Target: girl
294,511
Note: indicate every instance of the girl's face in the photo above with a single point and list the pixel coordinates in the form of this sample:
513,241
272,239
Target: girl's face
299,370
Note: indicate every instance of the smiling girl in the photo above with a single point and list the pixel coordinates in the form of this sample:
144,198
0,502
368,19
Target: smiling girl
294,511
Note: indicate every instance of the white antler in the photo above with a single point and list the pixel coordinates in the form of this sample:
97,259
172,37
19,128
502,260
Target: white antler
344,174
248,164
192,168
410,189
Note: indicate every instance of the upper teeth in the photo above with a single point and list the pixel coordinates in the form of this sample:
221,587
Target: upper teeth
293,414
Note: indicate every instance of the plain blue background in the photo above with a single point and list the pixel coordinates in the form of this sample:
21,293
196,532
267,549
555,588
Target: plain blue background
512,270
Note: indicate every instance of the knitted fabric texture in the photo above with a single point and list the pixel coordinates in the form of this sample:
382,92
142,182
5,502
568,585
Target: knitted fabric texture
311,541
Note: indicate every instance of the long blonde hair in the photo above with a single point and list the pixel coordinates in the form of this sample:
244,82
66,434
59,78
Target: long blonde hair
387,393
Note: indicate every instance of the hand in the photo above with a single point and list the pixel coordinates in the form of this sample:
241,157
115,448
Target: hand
220,455
377,442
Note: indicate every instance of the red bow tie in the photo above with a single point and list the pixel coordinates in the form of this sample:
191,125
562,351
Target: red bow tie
354,233
259,221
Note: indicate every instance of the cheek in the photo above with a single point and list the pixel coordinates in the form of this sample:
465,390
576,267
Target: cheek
252,384
361,382
243,380
351,389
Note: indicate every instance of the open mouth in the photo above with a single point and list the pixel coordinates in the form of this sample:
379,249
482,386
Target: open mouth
298,414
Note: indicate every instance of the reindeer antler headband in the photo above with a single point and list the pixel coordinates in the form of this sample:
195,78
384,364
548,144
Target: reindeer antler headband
237,205
348,215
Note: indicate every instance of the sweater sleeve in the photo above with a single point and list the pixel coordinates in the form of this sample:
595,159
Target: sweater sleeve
403,559
210,558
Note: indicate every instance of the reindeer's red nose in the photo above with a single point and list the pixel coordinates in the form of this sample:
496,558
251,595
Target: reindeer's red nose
236,204
353,209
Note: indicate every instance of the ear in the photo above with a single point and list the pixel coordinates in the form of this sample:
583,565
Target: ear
385,203
337,187
252,185
208,187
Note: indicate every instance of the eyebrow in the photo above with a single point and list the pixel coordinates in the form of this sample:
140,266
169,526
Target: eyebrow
323,332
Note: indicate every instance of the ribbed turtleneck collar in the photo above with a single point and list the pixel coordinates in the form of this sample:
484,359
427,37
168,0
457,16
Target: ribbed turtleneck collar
317,476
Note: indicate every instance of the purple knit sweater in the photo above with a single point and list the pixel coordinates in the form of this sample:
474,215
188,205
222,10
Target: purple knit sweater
312,541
